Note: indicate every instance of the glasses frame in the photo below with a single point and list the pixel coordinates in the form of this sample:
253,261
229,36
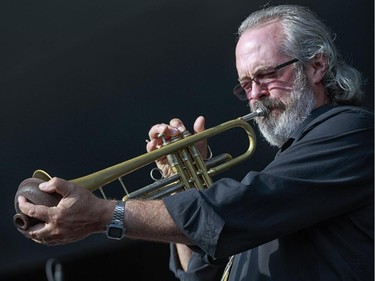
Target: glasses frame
240,92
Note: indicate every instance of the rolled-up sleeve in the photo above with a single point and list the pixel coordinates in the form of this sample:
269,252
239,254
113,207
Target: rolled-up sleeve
196,218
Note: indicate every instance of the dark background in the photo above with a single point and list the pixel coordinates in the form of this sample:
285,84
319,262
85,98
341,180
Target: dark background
83,81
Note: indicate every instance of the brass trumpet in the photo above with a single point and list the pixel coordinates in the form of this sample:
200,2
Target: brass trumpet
190,169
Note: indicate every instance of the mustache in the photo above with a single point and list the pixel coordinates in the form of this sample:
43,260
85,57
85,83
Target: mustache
268,103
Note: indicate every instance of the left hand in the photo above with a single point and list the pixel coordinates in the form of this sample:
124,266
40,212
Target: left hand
78,214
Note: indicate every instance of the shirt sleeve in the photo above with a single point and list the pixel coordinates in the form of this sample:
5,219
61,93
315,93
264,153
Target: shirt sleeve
201,266
327,171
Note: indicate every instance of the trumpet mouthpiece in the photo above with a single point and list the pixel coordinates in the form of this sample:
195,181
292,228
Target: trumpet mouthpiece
259,112
262,111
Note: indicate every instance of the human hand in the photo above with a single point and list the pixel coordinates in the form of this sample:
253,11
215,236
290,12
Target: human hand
184,255
78,214
175,127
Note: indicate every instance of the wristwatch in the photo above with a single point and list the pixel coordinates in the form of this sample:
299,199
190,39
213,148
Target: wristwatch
116,229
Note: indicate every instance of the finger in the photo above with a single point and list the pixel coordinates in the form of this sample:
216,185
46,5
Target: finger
29,232
37,231
166,130
155,141
34,211
158,129
199,124
57,185
40,233
152,145
154,131
177,123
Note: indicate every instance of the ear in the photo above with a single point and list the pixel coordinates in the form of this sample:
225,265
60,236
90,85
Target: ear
317,68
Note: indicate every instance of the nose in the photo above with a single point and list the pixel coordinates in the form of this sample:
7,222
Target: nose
256,92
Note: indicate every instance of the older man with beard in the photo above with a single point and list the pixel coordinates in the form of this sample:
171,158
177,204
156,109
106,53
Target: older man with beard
307,216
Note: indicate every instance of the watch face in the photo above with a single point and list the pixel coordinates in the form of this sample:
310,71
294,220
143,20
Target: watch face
115,232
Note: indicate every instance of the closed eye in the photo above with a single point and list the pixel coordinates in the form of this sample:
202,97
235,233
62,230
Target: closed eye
266,75
246,85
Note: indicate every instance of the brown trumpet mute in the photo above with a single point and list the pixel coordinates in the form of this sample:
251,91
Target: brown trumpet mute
29,189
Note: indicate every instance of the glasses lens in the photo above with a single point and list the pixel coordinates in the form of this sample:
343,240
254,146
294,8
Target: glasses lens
240,92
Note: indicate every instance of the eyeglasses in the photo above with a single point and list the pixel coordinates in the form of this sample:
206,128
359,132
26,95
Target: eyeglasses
262,78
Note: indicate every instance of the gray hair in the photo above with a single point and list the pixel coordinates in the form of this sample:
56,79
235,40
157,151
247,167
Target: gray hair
305,37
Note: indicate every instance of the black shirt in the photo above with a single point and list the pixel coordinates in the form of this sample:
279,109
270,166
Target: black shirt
307,216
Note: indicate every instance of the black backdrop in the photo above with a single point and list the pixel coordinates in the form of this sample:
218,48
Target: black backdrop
83,81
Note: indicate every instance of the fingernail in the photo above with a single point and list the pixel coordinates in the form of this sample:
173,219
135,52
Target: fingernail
43,185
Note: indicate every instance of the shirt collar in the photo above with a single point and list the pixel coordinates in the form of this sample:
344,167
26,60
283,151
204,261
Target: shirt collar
315,113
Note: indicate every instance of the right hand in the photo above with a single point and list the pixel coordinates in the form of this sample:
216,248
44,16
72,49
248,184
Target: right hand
175,127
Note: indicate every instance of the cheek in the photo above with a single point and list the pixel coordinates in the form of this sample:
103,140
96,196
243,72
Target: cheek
281,89
279,93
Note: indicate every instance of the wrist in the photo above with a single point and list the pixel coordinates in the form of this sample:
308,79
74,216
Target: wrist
106,213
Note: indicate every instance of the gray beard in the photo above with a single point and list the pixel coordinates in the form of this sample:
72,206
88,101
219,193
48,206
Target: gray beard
285,117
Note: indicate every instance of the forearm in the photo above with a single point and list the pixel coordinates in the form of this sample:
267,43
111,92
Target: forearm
80,213
150,220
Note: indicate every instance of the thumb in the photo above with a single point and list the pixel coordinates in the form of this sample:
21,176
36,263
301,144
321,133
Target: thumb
57,185
199,124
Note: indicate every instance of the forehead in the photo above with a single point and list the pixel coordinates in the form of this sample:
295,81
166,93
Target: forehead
259,47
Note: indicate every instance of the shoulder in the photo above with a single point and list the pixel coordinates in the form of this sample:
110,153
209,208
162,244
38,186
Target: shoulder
341,119
353,111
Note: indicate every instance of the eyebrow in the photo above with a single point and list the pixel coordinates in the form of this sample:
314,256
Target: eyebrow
259,70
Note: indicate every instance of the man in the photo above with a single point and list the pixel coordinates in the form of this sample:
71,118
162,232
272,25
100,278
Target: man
307,216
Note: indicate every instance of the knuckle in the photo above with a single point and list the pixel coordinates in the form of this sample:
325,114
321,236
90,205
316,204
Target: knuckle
55,217
54,181
31,211
154,131
151,145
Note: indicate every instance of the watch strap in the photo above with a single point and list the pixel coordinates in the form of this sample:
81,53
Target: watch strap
116,229
118,213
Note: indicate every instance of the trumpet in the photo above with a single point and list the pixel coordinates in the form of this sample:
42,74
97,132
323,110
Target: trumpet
190,170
